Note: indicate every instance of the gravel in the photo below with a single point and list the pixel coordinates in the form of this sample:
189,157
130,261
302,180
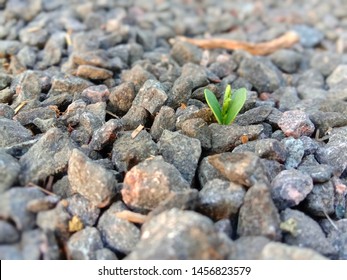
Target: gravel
109,150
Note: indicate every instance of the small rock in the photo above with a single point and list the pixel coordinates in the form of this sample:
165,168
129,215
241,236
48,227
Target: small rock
272,168
280,251
311,78
287,60
13,206
83,244
141,147
296,123
85,210
258,214
335,152
309,36
105,254
227,137
254,116
68,83
220,199
55,220
62,187
339,238
5,80
28,116
271,149
96,94
241,168
150,182
33,35
337,76
287,98
177,234
310,145
137,75
303,231
136,116
54,149
290,187
121,97
198,128
262,74
151,96
52,51
118,234
13,132
319,173
90,179
248,247
181,151
9,171
26,10
9,47
338,91
224,226
93,73
192,112
27,56
105,135
325,121
325,62
8,233
295,152
6,111
164,120
183,200
320,201
184,52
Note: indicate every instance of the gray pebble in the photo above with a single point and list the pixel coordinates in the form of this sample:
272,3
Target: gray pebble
13,206
262,74
121,97
271,149
164,120
198,128
184,235
241,168
296,123
83,244
85,210
334,153
90,179
303,231
181,151
309,36
9,171
151,96
117,234
290,187
286,60
54,149
184,52
141,147
221,199
227,137
150,182
295,152
258,214
8,233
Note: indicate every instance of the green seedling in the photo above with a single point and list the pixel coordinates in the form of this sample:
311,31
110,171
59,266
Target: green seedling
232,104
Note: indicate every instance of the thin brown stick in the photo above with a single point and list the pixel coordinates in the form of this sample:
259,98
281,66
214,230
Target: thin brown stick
285,41
131,216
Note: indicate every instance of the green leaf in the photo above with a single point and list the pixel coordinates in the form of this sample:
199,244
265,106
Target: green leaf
226,100
214,105
238,100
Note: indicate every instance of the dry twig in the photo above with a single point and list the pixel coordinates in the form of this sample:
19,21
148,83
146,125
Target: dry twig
285,41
